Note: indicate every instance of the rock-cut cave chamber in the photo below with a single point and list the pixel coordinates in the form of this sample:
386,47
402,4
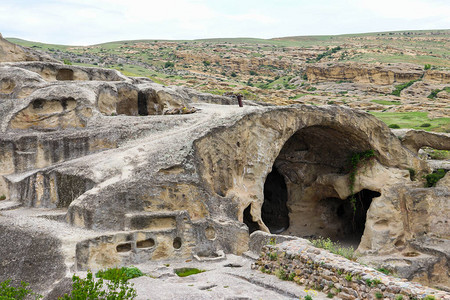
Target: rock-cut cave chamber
297,202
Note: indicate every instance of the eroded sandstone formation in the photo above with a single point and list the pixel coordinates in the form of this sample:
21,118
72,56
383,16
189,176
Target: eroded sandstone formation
380,74
116,170
13,52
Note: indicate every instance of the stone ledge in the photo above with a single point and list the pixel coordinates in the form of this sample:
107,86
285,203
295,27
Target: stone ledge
299,261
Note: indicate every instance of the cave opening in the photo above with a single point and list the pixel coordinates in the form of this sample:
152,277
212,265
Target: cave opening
142,104
347,222
275,213
300,196
64,74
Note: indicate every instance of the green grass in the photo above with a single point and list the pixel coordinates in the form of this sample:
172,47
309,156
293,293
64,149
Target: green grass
386,102
188,271
399,88
414,120
123,273
336,248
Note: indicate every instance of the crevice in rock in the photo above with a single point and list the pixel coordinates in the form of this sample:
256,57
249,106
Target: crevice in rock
248,220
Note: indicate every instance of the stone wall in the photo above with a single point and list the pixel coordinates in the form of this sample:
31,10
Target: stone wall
299,261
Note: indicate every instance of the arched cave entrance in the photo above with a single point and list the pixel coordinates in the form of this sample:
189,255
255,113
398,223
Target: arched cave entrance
346,223
274,211
300,198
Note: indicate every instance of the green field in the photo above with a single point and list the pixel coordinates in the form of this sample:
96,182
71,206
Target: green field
386,102
414,120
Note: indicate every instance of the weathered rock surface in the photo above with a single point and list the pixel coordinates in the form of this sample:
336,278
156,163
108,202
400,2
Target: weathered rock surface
101,157
13,52
380,74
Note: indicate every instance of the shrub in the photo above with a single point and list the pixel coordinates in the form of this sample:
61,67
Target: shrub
425,125
434,177
308,297
92,289
2,197
378,295
433,94
427,66
399,88
206,63
8,292
348,277
67,62
169,64
233,74
394,126
253,73
291,276
273,256
311,89
330,102
399,297
412,174
123,273
335,248
280,273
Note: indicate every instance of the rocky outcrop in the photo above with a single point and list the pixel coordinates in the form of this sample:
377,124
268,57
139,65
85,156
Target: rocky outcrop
12,52
416,139
98,155
299,261
379,74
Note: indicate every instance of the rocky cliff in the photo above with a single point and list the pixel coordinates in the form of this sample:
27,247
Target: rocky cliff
380,74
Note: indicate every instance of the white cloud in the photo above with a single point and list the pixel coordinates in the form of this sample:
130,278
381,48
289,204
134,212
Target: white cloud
89,22
406,9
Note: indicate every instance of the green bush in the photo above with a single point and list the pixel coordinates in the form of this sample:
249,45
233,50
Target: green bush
123,273
91,289
67,62
427,66
169,64
8,292
433,94
394,126
399,88
308,297
434,177
2,197
311,89
378,295
425,125
233,74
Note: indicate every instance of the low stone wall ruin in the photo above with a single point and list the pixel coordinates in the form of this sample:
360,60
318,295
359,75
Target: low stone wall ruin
319,269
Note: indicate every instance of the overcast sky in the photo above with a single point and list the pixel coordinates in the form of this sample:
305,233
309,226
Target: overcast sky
86,22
